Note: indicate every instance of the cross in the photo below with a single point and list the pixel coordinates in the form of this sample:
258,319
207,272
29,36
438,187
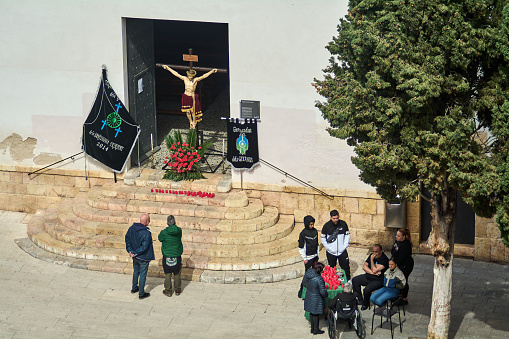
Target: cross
104,123
118,106
118,131
190,57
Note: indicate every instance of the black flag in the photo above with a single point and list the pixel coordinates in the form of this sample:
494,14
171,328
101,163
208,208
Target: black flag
242,143
109,133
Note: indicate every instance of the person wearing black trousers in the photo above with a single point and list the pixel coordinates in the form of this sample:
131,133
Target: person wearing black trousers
336,238
401,253
375,266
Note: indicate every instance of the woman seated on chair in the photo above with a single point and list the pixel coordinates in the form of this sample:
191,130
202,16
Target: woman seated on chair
394,280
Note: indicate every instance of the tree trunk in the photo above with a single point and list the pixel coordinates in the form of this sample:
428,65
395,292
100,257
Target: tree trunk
441,243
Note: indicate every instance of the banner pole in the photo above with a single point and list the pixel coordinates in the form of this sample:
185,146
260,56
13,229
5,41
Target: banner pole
152,146
241,181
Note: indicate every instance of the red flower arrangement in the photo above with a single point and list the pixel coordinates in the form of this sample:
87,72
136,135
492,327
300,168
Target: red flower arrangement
184,156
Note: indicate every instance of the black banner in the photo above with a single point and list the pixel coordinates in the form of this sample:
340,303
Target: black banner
242,143
109,133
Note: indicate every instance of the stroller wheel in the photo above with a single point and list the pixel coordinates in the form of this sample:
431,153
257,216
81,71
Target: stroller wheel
331,324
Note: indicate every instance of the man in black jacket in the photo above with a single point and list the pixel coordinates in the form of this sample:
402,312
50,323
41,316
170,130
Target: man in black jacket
138,243
375,266
336,238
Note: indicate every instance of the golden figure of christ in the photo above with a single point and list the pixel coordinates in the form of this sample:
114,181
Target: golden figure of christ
190,100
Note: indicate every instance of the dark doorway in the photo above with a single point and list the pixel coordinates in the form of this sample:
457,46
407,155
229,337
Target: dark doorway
465,221
140,83
209,41
155,94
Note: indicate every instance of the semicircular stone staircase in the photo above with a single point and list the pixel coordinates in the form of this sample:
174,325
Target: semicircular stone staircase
228,238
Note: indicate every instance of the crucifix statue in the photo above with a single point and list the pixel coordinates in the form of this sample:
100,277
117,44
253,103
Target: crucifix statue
190,100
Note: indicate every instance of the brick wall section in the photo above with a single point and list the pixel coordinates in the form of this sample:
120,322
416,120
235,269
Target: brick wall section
364,213
22,192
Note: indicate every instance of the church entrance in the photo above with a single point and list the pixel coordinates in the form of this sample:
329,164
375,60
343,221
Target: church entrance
155,93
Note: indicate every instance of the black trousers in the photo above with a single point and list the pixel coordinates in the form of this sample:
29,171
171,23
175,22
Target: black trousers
407,269
310,263
315,322
344,262
371,284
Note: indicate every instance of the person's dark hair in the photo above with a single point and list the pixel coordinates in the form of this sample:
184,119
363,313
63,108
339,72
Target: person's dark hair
170,220
379,246
406,233
394,261
307,220
318,267
333,213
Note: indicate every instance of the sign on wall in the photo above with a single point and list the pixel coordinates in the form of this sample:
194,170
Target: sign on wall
109,133
249,109
242,145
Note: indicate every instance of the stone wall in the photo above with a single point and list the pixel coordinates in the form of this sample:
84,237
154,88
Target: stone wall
21,191
488,245
364,212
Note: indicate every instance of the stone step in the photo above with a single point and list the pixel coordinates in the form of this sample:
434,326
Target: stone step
223,277
110,235
201,217
213,182
255,250
103,209
228,238
112,197
105,197
194,256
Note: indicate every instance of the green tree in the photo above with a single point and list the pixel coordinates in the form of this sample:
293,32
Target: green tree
419,88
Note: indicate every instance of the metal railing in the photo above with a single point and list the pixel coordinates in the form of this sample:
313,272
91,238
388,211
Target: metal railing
214,152
53,164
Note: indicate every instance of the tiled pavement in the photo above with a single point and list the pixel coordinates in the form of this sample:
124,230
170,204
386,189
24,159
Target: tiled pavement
43,299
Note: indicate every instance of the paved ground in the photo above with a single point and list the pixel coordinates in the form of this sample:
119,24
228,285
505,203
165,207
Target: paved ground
42,299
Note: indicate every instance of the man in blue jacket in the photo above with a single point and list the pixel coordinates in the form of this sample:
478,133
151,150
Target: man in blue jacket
335,238
138,242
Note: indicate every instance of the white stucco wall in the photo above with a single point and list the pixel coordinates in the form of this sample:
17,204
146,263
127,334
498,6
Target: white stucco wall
51,54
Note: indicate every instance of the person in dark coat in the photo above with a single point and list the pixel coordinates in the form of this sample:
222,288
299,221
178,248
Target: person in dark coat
401,252
314,302
138,243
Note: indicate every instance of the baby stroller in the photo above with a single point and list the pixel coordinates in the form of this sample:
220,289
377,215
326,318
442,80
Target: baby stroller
347,310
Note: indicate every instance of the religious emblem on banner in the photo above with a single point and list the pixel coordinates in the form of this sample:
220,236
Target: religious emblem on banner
242,144
109,133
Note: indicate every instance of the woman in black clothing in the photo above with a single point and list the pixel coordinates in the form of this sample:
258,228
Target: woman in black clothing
401,252
314,302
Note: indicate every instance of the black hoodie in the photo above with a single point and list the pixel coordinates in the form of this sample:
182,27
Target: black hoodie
308,240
